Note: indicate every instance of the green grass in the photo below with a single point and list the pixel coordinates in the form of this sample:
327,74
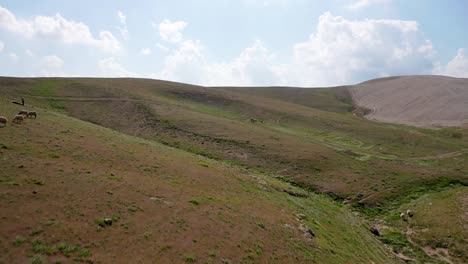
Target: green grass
436,220
190,258
19,241
194,202
49,88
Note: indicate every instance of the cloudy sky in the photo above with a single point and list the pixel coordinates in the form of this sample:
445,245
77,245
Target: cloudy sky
235,42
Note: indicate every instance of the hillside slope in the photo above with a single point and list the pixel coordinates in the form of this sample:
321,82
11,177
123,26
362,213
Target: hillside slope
61,177
426,101
309,138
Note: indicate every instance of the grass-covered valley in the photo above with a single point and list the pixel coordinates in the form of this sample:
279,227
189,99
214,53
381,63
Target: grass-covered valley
222,175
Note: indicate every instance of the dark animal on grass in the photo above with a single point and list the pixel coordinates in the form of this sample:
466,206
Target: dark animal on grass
23,112
18,119
32,113
3,121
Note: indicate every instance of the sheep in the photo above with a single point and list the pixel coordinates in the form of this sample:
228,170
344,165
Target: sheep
409,213
403,217
3,121
18,119
23,112
32,113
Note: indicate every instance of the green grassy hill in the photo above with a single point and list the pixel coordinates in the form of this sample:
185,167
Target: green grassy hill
235,152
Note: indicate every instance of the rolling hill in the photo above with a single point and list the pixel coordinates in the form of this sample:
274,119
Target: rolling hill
212,174
426,101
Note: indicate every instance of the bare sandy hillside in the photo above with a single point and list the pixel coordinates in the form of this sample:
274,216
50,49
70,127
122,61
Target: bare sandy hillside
425,101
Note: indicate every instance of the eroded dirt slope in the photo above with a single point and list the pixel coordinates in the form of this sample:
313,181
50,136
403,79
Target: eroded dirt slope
425,101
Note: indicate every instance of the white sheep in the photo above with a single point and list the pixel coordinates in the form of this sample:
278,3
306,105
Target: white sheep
18,119
3,121
403,217
32,113
409,213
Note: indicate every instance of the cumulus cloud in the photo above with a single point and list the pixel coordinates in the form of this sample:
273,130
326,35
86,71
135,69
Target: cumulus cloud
57,28
342,51
52,62
162,47
51,65
111,67
185,64
457,67
171,31
360,4
254,66
145,51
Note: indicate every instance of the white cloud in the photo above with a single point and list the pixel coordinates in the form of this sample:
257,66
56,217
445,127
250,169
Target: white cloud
171,31
359,4
254,66
123,28
162,47
13,57
145,51
28,52
339,52
52,62
110,67
185,64
2,46
57,28
51,65
457,67
122,17
343,51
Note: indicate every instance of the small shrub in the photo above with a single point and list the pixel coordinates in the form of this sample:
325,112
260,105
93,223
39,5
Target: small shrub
457,135
203,164
194,202
54,156
10,183
65,249
83,253
37,260
190,258
19,241
36,231
37,182
147,235
133,209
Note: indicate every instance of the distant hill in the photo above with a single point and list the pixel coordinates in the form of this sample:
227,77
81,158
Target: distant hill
425,101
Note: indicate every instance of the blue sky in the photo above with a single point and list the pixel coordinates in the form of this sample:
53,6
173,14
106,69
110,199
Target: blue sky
243,42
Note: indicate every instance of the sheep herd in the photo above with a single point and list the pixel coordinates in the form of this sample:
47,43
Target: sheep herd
19,118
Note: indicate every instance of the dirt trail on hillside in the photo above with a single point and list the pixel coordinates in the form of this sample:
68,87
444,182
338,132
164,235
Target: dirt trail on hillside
79,98
442,156
425,101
